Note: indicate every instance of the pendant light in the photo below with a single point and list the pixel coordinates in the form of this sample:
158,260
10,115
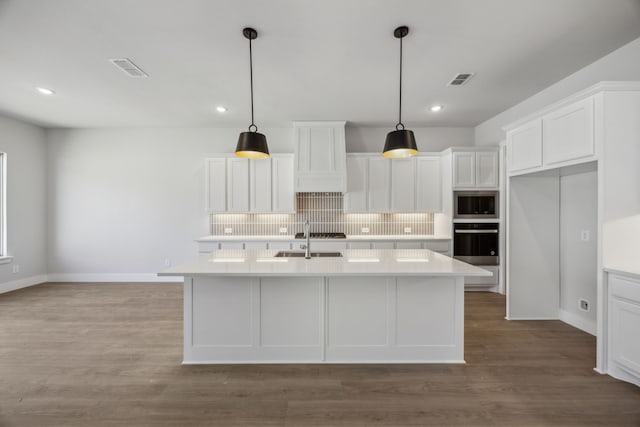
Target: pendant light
400,142
252,144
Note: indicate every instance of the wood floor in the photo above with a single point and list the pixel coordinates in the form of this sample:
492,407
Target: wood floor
109,355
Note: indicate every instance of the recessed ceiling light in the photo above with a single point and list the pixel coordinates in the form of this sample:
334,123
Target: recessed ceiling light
45,91
221,109
436,108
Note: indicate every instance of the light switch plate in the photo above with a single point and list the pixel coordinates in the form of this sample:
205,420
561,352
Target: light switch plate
228,230
283,230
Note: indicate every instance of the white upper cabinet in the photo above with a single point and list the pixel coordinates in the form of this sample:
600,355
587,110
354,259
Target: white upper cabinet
216,185
564,135
238,185
475,169
376,184
355,200
428,184
464,170
320,157
379,189
403,185
524,146
487,169
567,133
260,185
283,194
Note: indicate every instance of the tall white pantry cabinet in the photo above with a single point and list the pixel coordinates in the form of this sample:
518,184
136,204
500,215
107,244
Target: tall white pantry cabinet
594,130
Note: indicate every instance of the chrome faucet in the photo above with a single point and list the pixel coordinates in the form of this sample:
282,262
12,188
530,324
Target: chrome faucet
307,236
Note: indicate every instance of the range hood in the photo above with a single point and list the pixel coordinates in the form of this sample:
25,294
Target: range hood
320,157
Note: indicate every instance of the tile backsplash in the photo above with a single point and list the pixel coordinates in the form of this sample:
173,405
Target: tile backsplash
325,214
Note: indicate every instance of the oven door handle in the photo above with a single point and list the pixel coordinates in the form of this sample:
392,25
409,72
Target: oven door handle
476,231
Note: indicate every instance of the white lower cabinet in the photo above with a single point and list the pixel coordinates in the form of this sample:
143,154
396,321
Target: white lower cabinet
373,319
485,281
624,328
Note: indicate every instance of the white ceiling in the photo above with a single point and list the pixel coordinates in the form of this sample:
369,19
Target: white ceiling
313,60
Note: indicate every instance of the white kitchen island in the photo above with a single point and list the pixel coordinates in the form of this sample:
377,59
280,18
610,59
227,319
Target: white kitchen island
369,306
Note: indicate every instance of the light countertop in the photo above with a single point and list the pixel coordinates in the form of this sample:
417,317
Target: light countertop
355,262
289,237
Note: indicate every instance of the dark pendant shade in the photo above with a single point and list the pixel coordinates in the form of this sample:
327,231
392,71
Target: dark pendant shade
400,143
252,145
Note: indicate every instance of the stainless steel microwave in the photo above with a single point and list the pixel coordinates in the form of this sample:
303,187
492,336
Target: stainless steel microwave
475,204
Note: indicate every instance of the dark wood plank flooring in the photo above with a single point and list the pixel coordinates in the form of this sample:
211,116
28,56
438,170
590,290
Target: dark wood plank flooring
109,355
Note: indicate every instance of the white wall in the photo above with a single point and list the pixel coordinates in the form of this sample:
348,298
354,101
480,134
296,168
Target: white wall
429,140
622,64
26,203
121,201
578,259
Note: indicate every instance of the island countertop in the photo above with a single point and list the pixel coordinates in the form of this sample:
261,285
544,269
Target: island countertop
354,262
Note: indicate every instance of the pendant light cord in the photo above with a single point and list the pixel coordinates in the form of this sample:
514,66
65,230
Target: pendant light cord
400,106
252,125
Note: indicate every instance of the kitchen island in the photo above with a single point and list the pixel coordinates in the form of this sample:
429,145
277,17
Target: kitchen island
367,306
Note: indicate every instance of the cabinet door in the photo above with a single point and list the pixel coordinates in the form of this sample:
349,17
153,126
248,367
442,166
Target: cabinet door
283,195
356,198
260,185
524,147
237,185
403,185
464,170
379,184
216,172
625,330
429,189
487,171
568,133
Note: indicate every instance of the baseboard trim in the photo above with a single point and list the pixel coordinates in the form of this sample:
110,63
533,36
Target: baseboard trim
23,283
111,277
576,321
532,318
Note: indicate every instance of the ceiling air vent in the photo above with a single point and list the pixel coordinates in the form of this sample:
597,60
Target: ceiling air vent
131,69
460,79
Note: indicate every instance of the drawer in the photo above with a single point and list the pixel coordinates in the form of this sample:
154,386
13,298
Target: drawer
206,247
624,287
281,246
382,245
359,245
437,246
486,280
408,245
255,245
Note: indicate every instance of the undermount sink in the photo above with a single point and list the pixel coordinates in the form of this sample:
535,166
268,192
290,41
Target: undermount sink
300,254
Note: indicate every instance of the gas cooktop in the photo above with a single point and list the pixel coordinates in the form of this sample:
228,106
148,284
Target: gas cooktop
322,236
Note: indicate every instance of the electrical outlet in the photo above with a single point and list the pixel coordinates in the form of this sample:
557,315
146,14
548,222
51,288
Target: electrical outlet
407,229
167,262
583,304
283,230
364,229
16,268
585,235
228,230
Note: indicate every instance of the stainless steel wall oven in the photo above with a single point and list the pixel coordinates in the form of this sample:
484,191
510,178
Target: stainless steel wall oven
476,243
